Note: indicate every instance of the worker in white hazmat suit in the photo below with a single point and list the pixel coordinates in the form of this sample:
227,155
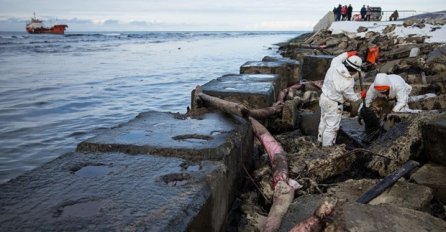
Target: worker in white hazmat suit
337,88
391,87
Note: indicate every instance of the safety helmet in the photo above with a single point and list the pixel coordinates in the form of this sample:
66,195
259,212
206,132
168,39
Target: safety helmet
355,62
382,82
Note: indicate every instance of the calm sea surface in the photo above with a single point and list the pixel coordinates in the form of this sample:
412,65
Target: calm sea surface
56,91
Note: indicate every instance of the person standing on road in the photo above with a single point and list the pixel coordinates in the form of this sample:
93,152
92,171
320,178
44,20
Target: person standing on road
349,12
363,12
337,88
368,13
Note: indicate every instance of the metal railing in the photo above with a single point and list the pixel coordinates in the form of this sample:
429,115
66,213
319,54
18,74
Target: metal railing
385,14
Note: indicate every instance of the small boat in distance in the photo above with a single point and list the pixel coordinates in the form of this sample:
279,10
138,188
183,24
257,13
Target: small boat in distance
36,26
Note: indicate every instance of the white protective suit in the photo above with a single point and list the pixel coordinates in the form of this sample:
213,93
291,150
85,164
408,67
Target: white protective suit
337,88
399,90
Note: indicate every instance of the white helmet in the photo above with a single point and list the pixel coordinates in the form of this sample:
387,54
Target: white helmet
354,62
382,82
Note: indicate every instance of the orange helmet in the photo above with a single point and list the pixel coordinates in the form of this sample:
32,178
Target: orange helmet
382,82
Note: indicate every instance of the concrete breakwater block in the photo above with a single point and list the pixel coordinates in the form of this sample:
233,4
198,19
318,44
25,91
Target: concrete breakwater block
352,216
255,91
212,136
293,67
116,192
268,67
314,67
434,134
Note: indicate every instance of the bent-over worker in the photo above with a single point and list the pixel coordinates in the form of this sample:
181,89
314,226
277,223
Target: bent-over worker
391,87
337,88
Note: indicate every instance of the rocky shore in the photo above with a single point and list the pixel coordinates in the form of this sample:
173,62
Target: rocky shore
343,173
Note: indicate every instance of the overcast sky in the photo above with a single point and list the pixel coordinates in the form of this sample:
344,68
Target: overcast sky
186,15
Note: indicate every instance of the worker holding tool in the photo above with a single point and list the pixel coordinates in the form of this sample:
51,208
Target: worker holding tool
337,88
391,87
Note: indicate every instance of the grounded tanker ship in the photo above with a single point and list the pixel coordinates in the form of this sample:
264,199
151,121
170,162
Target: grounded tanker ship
36,26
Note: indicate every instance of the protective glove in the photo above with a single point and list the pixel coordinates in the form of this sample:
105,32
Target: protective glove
363,94
351,53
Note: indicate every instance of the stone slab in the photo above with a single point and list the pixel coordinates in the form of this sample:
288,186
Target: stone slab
433,176
253,94
293,68
434,137
352,216
314,67
116,192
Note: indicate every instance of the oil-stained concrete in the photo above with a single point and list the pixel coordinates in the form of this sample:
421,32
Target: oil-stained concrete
314,67
116,192
212,136
352,216
267,67
259,92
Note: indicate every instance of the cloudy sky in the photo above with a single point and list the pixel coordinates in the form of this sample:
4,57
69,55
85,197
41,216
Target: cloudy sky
186,15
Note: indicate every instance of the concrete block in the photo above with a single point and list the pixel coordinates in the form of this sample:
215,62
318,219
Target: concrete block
433,176
267,67
212,136
434,134
117,192
293,68
259,92
314,67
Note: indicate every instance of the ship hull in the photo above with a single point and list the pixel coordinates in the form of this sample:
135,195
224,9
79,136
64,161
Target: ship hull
56,29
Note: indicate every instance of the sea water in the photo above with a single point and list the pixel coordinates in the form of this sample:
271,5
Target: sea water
58,90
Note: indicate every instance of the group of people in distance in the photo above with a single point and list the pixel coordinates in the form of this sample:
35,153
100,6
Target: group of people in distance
343,13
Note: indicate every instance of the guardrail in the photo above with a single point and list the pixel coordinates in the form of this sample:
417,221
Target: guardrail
385,14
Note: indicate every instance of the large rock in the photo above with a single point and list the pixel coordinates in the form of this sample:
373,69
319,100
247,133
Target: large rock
433,176
314,67
117,192
428,102
401,142
352,216
434,134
